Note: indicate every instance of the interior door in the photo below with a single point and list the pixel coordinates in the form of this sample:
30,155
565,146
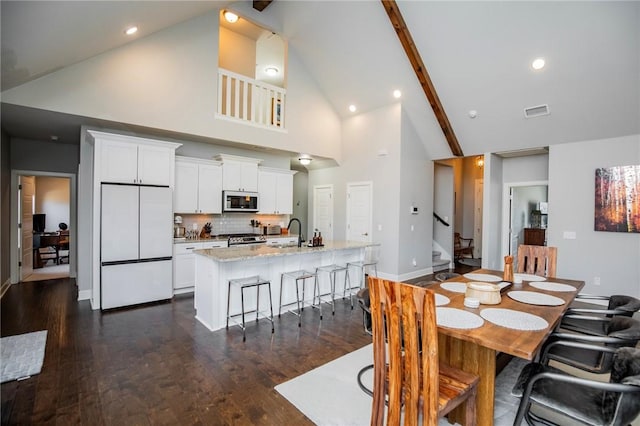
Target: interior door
323,210
477,218
359,211
27,196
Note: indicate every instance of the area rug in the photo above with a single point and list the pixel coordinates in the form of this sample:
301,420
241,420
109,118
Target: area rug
329,395
22,355
471,262
48,273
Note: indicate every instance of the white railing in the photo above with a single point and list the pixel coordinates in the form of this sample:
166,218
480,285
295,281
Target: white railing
251,101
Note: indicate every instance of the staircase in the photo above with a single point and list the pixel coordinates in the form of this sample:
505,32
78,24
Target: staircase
438,263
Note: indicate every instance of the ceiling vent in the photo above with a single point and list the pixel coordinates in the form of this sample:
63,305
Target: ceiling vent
536,111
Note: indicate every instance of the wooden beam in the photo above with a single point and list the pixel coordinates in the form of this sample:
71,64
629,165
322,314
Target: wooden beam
421,72
261,5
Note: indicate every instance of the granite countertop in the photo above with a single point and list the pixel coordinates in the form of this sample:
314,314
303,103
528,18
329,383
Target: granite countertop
244,252
217,238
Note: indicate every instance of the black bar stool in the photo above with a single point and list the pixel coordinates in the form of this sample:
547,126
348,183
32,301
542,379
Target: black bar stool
242,284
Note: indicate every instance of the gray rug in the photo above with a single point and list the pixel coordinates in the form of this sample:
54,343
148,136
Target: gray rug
22,355
471,262
329,394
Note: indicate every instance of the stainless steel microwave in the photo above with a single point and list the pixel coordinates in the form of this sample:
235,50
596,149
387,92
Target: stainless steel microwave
235,201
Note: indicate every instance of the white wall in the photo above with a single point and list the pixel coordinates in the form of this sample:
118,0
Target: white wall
612,256
168,80
53,199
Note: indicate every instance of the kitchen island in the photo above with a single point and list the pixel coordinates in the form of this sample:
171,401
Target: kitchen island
215,267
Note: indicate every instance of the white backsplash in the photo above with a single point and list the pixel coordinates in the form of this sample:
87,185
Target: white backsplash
232,223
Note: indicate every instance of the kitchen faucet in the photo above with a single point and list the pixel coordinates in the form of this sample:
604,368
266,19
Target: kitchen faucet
299,229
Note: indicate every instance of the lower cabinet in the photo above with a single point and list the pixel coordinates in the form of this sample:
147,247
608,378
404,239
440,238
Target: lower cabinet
184,264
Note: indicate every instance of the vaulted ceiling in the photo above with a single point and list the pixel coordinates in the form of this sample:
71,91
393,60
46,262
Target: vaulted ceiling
478,55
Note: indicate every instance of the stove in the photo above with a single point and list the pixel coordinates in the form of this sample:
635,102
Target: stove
238,239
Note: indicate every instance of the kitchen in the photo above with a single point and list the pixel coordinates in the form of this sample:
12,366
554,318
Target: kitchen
199,204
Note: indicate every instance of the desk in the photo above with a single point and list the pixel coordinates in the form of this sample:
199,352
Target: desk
475,350
57,240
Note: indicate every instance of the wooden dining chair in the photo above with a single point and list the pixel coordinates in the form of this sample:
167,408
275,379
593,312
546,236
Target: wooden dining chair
537,260
407,371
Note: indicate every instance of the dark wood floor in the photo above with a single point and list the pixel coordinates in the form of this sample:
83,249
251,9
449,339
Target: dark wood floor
157,365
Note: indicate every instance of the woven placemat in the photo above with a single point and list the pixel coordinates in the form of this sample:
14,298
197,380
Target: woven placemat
442,300
482,277
551,286
457,318
454,287
514,319
533,298
528,277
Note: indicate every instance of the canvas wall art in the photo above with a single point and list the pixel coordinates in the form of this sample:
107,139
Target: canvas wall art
618,199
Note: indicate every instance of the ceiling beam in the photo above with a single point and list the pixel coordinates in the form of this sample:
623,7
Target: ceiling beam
261,5
421,72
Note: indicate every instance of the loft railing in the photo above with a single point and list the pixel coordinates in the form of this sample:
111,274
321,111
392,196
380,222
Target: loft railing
250,101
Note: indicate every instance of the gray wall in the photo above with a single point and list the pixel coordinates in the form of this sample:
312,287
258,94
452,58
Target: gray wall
5,208
301,196
44,156
612,256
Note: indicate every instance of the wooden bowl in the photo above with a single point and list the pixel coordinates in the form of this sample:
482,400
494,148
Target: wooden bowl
486,293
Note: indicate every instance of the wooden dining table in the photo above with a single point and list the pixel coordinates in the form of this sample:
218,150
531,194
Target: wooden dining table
475,349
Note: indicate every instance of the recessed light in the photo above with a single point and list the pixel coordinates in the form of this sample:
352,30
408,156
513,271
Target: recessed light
271,70
352,108
131,30
305,161
397,94
538,64
230,17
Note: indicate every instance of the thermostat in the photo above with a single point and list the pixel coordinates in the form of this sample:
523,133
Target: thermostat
414,210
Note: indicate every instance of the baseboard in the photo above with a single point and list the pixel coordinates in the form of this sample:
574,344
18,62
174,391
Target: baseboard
84,294
5,287
414,274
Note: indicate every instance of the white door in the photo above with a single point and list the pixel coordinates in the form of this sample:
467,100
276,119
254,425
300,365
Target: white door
119,223
359,211
323,211
27,194
477,218
156,222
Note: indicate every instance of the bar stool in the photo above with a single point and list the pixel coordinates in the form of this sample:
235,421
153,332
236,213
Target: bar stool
371,259
300,277
242,284
331,270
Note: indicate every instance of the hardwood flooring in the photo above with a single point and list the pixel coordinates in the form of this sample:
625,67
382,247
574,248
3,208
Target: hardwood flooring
156,364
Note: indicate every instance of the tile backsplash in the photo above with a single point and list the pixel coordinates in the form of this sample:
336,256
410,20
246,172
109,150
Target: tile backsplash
231,223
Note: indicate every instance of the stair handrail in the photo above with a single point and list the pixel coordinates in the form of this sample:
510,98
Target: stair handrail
439,219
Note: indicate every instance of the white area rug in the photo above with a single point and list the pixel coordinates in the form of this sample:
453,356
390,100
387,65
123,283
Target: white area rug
22,355
329,394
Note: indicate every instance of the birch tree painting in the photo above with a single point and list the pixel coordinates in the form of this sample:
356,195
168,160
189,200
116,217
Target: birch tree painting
618,199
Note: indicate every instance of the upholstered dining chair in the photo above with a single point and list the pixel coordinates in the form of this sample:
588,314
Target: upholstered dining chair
406,371
537,260
593,319
568,348
590,402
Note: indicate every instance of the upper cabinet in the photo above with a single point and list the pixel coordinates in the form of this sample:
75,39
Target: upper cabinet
275,187
129,159
239,173
198,186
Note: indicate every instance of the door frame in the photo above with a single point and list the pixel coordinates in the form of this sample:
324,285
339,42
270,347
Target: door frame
506,209
73,210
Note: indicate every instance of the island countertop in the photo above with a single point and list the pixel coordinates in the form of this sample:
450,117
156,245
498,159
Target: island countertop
244,252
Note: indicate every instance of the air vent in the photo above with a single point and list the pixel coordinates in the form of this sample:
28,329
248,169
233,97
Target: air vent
536,111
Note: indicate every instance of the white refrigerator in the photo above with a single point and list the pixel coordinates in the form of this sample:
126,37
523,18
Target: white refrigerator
135,244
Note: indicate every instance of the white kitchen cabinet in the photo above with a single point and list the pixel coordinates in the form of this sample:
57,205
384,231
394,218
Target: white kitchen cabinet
276,191
239,173
184,263
128,159
198,186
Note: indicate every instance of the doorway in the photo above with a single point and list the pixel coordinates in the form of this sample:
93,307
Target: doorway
520,200
323,211
50,198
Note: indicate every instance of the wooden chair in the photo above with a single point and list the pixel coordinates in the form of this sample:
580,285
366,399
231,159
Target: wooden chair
537,260
462,246
49,248
412,375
